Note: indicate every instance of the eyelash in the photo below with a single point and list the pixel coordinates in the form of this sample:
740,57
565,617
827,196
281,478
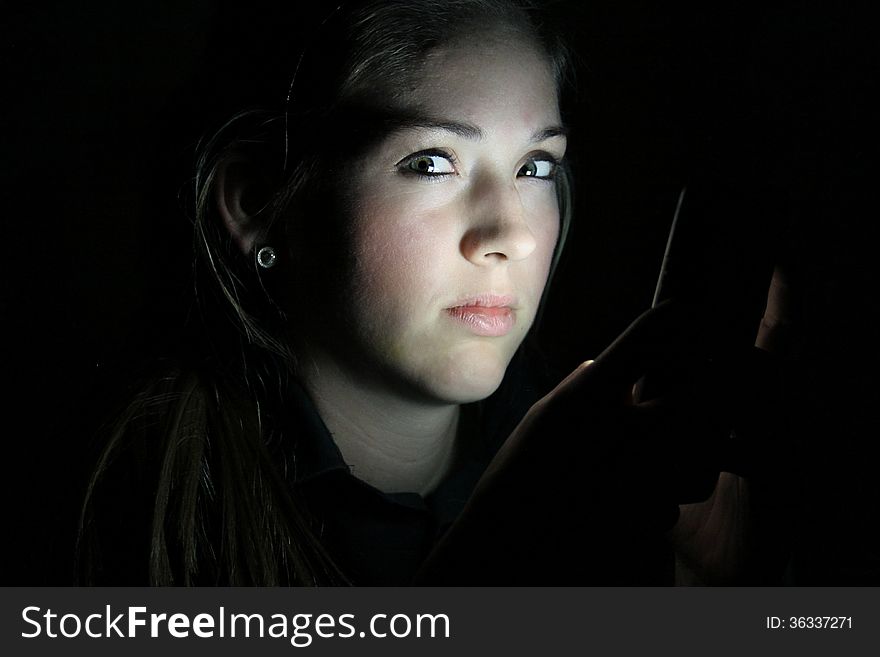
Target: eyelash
543,157
404,166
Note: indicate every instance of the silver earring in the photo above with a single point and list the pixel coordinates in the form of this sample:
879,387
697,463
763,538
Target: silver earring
266,257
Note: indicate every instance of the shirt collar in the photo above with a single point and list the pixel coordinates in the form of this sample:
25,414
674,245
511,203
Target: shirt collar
314,450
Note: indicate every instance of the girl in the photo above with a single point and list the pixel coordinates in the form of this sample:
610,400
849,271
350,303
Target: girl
374,241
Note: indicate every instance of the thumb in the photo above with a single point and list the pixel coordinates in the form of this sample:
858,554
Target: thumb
659,338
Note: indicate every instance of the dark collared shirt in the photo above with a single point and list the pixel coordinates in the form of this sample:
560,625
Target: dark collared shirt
377,538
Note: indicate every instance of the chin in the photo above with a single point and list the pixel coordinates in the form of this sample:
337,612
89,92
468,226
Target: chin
469,377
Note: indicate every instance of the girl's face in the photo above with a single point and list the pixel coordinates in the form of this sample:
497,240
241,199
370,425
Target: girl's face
454,220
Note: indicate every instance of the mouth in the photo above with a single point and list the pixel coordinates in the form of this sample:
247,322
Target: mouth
488,315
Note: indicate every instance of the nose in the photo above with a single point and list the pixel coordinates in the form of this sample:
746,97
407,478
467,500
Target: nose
497,229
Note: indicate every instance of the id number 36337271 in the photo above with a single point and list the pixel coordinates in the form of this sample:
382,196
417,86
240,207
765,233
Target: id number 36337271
809,623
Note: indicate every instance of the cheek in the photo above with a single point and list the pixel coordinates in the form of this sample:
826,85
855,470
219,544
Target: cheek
399,252
545,226
548,237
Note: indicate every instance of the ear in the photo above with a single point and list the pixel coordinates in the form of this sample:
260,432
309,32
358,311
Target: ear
238,197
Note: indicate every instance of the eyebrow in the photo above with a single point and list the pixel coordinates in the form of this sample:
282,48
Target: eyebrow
467,130
549,133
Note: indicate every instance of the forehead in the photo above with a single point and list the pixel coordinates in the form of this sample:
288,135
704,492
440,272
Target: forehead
485,80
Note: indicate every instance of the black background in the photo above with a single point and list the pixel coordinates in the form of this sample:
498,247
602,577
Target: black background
95,244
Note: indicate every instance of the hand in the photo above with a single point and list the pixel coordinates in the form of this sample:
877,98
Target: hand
587,472
718,541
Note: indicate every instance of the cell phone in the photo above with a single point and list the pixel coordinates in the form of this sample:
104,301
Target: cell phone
723,243
722,247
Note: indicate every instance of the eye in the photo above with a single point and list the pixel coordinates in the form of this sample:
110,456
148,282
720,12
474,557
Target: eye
543,167
428,164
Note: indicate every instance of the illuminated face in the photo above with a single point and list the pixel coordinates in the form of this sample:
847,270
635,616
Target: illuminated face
454,220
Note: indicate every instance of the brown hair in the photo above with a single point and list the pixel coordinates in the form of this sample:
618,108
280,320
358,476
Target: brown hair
221,512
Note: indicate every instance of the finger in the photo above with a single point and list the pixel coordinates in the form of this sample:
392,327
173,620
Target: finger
678,444
774,334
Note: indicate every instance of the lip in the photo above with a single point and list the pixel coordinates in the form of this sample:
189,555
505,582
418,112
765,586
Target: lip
487,315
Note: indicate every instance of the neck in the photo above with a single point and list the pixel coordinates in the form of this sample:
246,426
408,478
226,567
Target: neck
392,442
